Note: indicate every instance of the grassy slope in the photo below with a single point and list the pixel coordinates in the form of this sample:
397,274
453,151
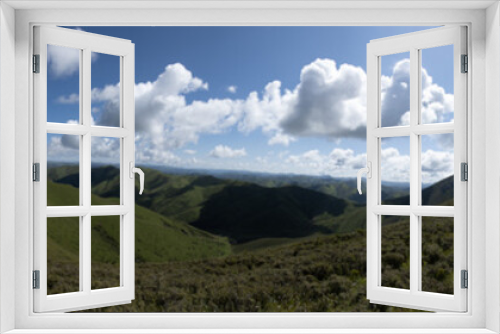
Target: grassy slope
158,239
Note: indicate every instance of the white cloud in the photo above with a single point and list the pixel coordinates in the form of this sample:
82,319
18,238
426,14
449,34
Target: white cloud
329,102
339,162
222,151
63,148
190,152
232,89
436,165
105,149
70,99
436,103
66,148
395,167
64,61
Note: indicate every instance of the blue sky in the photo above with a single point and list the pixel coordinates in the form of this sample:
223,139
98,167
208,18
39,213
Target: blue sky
220,74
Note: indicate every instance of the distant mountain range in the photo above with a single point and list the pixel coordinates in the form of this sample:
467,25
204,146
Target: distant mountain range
342,187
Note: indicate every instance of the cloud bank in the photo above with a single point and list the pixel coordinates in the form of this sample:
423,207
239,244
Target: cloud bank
329,102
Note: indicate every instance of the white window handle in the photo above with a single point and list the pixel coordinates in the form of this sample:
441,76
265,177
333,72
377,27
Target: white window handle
133,170
368,171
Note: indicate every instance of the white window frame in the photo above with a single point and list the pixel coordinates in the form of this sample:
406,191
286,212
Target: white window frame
484,45
86,43
413,44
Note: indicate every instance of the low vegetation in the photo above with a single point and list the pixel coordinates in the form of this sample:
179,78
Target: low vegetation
195,255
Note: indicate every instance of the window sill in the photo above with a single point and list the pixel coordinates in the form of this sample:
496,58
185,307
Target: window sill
251,331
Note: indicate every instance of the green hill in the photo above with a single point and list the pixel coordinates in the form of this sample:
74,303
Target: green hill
440,193
239,210
157,238
245,211
248,212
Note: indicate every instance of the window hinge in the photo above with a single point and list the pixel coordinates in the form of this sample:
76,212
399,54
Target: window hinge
36,63
464,171
36,279
36,172
465,64
465,279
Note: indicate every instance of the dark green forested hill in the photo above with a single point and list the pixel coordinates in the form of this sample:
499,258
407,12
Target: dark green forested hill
248,212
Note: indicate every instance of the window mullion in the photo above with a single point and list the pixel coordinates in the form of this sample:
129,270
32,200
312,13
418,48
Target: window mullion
86,170
414,172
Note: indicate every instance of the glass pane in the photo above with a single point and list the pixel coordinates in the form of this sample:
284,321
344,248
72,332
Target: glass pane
105,176
396,251
63,84
105,252
105,89
437,254
395,170
395,89
437,169
63,255
437,85
63,170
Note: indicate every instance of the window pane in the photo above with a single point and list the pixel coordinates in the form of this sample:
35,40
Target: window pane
106,182
437,90
395,89
63,170
395,170
63,84
105,89
437,254
105,252
63,255
396,251
437,169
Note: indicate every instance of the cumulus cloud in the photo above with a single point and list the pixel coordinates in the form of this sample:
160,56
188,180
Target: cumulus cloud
437,105
64,61
329,102
190,152
105,149
223,151
70,99
232,89
63,148
395,167
339,162
66,148
436,165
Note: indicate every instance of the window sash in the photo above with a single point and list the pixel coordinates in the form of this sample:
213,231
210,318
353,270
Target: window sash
86,297
414,298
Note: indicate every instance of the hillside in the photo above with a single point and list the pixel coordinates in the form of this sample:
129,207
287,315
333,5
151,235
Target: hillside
248,212
157,239
235,209
320,274
294,249
440,193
